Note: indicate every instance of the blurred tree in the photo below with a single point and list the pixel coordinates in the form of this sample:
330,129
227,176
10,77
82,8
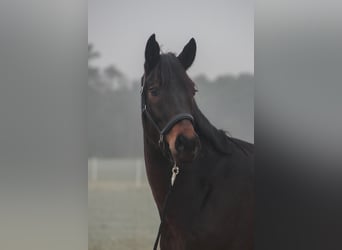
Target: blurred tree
113,113
114,126
91,53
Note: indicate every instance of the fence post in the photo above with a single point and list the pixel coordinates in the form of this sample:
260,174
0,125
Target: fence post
138,173
93,169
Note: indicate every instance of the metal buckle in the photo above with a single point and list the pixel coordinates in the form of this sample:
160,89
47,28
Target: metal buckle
175,172
161,139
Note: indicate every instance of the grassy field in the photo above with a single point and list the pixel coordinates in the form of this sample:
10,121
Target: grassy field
121,211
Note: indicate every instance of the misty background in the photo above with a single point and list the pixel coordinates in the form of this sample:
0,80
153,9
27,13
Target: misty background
223,68
114,116
43,112
121,210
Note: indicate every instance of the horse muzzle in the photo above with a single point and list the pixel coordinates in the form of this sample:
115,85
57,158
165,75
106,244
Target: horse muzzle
186,148
183,141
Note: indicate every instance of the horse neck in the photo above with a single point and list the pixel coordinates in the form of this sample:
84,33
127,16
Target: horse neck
158,169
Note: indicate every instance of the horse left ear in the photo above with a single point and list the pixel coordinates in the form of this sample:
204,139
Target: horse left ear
187,56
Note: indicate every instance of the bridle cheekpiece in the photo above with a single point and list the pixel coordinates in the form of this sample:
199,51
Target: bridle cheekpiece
175,119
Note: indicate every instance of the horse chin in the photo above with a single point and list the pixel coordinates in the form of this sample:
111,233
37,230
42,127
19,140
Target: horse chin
184,158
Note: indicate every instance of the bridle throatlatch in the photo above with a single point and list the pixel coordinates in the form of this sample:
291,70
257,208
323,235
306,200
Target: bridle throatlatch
162,132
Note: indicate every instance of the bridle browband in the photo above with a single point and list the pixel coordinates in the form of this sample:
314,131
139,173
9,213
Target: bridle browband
162,132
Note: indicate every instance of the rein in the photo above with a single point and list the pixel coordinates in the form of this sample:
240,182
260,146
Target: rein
175,171
162,132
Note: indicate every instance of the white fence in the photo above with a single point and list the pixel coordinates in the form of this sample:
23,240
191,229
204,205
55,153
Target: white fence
117,170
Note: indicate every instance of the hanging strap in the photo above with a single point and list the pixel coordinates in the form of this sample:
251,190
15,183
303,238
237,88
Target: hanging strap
175,171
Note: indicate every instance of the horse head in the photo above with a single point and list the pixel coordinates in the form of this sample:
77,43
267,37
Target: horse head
168,100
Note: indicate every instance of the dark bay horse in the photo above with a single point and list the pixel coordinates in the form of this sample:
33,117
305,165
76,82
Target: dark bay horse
212,202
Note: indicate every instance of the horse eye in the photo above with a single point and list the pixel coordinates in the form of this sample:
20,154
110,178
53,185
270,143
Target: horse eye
154,91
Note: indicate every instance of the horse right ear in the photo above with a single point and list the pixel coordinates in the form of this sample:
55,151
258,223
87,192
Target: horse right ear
152,54
187,56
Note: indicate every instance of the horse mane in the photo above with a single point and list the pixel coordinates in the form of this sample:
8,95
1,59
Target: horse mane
217,138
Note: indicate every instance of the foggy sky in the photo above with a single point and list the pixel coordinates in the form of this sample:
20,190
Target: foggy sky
224,32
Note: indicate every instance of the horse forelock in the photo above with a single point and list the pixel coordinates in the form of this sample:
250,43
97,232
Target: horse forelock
169,71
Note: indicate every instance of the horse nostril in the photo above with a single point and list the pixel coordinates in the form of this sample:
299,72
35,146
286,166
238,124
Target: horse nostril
185,144
180,143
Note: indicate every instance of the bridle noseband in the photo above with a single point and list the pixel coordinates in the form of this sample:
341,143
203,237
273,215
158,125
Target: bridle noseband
162,132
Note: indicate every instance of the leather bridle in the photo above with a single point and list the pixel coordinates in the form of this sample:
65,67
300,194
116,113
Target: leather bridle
162,132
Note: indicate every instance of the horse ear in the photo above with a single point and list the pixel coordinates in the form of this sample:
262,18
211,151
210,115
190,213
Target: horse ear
187,56
152,54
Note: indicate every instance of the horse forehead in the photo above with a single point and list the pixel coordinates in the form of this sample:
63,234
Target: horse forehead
170,65
168,73
173,78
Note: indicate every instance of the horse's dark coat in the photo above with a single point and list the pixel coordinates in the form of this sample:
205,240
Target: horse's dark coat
212,203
